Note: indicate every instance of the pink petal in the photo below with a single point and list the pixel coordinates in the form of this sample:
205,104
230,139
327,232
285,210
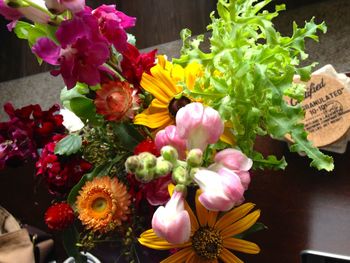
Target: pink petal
234,159
188,118
46,49
213,124
74,5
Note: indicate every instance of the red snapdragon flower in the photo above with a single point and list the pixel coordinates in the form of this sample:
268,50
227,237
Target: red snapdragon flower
134,64
61,173
28,129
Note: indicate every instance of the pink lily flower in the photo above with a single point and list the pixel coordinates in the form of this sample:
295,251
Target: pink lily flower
169,136
222,190
236,161
199,125
172,222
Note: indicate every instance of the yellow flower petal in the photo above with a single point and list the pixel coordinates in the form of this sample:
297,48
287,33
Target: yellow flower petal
241,245
164,79
234,215
212,215
241,225
190,258
178,256
151,240
155,120
227,136
202,212
227,257
155,87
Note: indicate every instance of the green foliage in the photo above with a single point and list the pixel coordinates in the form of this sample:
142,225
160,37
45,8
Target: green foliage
70,239
68,145
249,70
32,32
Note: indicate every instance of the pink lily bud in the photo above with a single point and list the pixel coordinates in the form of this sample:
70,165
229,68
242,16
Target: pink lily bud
222,190
73,5
236,161
169,136
172,222
199,125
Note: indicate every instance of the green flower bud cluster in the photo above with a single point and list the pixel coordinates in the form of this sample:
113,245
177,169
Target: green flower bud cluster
147,167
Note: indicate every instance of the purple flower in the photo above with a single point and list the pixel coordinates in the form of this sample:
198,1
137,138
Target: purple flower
112,24
82,51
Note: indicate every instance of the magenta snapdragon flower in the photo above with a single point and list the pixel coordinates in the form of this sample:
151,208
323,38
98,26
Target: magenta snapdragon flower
112,24
81,53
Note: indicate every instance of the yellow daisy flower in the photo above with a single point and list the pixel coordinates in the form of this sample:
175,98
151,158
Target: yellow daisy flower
103,204
211,238
164,84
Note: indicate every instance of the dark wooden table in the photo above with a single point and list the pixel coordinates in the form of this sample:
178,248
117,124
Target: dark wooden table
302,207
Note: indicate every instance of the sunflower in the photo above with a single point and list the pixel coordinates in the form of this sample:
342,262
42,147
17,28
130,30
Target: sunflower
164,84
211,238
103,204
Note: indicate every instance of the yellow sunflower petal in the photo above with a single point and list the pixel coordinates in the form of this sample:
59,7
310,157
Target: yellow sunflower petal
202,212
155,87
241,225
178,256
241,245
234,215
154,120
227,257
212,215
151,240
190,258
228,137
166,81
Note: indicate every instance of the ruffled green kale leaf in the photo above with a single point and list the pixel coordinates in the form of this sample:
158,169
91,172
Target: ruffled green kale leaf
248,72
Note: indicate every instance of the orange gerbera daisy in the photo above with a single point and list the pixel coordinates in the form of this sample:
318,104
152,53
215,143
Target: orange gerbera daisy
211,238
103,204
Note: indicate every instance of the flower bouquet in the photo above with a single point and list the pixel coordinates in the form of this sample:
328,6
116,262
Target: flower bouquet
151,152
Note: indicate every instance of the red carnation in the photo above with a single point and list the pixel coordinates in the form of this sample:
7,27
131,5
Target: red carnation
116,100
59,216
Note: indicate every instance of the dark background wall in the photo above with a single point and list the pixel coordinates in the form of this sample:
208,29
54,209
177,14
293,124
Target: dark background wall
158,21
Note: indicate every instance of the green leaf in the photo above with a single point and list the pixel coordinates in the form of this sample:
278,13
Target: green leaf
130,137
68,145
258,226
270,162
301,144
249,69
70,240
85,109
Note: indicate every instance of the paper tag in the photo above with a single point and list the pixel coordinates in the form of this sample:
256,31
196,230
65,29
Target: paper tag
326,106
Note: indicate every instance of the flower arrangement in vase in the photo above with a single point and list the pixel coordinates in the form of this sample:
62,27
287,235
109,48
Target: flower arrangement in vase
143,142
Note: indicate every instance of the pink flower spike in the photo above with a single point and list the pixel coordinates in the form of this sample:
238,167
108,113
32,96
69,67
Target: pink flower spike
234,159
221,191
169,136
35,14
172,222
199,125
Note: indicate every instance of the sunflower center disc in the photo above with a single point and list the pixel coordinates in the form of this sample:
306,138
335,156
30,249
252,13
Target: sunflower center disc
207,242
176,104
